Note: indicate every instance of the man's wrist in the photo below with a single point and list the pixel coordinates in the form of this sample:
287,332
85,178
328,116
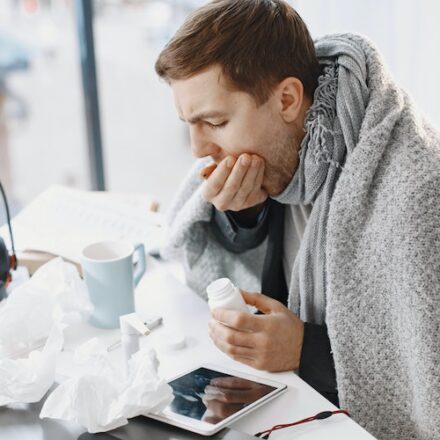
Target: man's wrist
298,344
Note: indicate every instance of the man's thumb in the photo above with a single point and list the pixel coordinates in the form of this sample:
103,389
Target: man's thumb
262,302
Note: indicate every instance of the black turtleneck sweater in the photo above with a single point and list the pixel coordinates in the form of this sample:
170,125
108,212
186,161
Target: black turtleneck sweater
316,364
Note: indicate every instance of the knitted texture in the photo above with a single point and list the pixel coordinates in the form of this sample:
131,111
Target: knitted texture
191,241
383,268
332,128
382,262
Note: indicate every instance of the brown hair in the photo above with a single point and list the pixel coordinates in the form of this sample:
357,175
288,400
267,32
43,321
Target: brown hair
258,43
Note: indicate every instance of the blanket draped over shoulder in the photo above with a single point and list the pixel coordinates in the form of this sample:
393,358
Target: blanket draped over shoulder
369,261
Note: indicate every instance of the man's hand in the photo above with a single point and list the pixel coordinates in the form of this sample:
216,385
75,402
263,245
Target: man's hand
271,342
235,184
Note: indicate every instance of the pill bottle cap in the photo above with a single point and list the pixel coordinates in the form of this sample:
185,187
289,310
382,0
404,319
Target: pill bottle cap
219,287
174,341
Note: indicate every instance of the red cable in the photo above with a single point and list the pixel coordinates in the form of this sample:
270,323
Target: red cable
320,416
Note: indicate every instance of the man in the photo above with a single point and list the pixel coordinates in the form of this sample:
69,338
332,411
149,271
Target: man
318,185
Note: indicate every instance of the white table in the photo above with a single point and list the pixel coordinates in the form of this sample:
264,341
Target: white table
160,292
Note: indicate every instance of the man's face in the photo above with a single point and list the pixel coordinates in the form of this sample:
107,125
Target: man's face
225,122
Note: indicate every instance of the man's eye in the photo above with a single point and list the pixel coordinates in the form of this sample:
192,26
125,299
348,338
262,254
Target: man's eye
216,125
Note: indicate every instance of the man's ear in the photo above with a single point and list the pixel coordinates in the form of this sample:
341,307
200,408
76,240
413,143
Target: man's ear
290,94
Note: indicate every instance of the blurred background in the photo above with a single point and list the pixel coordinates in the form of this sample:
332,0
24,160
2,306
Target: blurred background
145,147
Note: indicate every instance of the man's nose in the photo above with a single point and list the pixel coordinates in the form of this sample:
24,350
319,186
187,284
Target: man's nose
201,146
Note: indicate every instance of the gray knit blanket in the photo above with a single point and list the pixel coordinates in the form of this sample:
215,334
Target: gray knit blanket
369,262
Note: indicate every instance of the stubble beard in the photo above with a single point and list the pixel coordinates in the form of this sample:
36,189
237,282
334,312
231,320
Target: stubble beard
281,164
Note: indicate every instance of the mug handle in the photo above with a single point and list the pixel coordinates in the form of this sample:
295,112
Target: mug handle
141,266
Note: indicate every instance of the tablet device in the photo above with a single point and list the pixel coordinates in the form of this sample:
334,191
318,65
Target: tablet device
208,398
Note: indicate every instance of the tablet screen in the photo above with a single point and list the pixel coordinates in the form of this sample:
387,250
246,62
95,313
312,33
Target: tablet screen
212,396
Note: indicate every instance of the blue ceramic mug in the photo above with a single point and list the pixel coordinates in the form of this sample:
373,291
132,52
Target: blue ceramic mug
110,277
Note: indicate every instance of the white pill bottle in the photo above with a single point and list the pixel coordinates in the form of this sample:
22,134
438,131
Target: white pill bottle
223,294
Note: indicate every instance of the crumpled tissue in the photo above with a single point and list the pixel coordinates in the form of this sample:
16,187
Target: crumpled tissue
100,398
27,380
55,293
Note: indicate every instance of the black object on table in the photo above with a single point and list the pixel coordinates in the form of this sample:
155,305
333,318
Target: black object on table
21,421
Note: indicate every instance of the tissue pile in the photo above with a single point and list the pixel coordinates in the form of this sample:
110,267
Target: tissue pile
100,397
33,315
54,294
28,380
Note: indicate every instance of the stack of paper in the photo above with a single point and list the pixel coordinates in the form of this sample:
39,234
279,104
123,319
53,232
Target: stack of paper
63,221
